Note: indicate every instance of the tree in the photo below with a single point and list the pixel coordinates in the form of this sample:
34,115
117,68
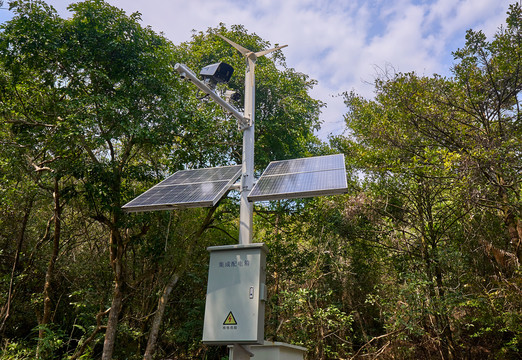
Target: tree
93,114
438,155
34,123
100,87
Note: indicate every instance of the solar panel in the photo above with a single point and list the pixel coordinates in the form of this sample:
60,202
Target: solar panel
187,188
300,178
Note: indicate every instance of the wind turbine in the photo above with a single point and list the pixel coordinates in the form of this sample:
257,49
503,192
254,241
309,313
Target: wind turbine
248,53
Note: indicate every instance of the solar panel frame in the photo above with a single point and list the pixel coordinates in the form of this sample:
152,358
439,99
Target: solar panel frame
187,189
310,164
301,178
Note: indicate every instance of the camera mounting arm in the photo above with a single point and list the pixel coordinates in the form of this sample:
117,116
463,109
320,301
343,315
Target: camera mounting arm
186,73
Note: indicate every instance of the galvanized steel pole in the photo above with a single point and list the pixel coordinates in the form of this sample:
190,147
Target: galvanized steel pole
247,125
246,210
247,174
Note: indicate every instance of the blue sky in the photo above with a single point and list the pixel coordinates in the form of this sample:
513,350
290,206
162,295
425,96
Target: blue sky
343,44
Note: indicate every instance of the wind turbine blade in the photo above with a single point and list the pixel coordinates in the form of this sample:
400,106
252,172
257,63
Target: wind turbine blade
262,53
241,49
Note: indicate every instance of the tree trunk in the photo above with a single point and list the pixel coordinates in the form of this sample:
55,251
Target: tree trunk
515,235
47,308
79,351
116,251
448,345
4,314
437,297
163,300
158,317
513,224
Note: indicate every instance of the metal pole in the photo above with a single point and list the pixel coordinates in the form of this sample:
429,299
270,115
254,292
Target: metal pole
247,125
247,173
246,210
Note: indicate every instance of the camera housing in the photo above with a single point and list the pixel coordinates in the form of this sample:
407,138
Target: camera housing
217,73
231,96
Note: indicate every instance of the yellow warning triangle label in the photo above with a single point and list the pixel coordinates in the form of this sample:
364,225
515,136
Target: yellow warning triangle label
230,319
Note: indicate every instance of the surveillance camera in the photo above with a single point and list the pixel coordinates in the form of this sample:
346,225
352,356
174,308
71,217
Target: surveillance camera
231,95
217,73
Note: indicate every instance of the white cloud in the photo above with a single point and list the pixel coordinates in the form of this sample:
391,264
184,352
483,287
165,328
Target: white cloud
340,43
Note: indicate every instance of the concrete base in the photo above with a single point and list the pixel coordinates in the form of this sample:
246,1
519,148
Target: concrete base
272,351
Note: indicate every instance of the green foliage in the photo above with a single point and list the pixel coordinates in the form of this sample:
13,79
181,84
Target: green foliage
286,116
17,351
93,101
438,159
52,341
312,319
420,260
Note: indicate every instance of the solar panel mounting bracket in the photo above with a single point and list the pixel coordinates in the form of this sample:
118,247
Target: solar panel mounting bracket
244,182
244,123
